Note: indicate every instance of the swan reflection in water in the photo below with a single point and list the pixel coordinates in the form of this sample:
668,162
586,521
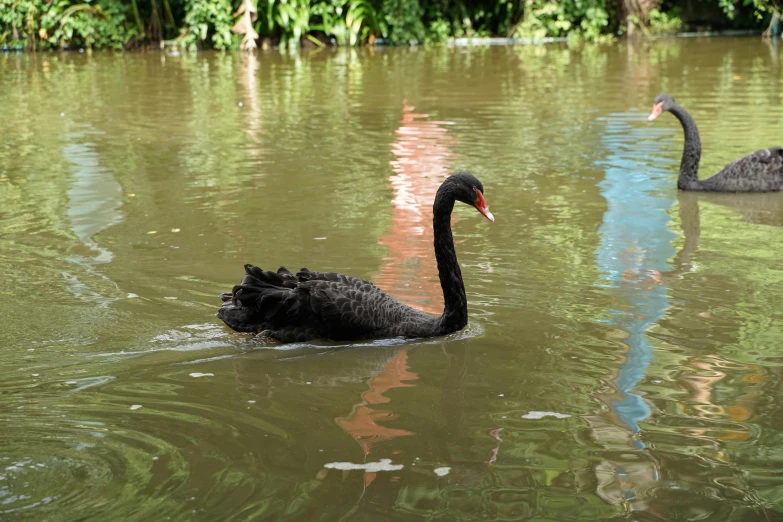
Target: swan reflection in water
702,374
760,209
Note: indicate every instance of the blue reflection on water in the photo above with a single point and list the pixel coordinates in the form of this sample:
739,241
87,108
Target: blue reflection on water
635,245
94,202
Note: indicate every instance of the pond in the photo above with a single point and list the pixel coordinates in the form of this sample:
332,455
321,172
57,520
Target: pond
624,356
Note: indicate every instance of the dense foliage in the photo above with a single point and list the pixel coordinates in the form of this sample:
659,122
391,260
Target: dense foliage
224,24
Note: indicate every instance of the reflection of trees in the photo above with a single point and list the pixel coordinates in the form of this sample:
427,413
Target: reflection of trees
247,76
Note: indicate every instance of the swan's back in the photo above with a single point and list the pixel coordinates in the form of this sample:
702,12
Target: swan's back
760,171
309,305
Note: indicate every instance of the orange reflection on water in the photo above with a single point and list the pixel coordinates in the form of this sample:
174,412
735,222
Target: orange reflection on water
421,155
362,424
703,398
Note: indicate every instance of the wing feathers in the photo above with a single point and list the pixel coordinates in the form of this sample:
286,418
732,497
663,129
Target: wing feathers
313,304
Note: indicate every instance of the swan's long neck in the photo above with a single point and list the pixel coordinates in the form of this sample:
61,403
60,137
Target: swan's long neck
691,153
455,313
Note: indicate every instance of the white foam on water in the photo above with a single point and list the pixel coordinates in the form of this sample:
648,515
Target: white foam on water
383,465
541,414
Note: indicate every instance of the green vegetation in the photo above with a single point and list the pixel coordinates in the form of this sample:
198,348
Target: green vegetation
231,24
762,9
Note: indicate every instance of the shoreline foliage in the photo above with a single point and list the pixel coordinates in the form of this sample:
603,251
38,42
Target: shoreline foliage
233,24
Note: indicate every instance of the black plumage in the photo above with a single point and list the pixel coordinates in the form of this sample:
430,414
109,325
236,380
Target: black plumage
325,305
760,171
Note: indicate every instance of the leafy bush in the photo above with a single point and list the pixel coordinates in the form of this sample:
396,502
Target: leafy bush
58,23
51,24
211,18
762,10
572,17
404,19
665,22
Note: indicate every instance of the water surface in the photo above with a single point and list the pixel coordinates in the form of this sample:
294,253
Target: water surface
134,186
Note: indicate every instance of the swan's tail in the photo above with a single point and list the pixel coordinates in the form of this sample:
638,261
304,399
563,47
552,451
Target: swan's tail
257,299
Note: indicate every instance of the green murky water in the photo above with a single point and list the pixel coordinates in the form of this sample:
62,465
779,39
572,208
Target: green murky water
134,186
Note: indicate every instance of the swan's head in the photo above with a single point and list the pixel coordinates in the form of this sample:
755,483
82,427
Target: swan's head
662,103
468,189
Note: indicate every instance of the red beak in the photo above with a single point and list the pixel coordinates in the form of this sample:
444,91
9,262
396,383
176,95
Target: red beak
481,206
657,109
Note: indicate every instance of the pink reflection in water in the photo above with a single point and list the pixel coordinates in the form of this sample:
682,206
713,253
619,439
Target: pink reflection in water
422,153
409,271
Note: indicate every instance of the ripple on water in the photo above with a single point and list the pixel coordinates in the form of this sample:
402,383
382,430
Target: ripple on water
471,331
185,338
52,464
133,444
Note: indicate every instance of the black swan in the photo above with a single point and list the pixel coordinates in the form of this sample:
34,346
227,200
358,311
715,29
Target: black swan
325,305
760,171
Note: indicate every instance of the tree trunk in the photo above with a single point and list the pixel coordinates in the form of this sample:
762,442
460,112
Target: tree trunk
637,13
247,12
